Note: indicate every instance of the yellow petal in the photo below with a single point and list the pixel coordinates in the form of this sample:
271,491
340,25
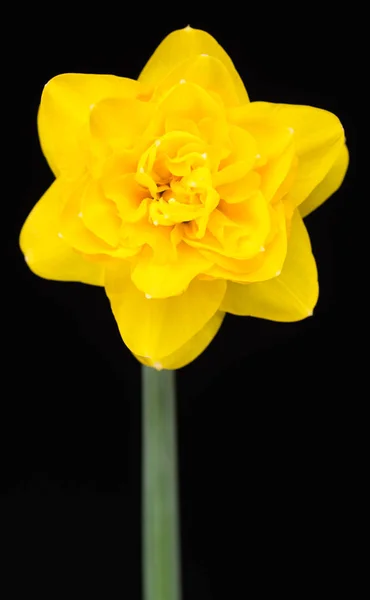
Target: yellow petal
65,110
99,214
179,124
47,254
275,252
276,171
263,266
241,228
259,119
191,349
187,101
116,164
181,45
241,257
119,122
319,137
206,71
155,240
317,134
240,190
241,159
128,196
151,327
162,280
329,185
290,297
72,226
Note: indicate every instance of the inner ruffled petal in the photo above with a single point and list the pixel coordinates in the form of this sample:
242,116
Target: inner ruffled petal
164,279
207,72
117,123
128,196
186,101
240,190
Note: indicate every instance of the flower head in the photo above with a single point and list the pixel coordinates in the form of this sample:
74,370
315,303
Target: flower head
181,197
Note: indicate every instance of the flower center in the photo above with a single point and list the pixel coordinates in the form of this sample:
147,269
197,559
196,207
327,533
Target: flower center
176,172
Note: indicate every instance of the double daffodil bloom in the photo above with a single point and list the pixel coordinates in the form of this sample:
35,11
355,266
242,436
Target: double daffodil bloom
181,197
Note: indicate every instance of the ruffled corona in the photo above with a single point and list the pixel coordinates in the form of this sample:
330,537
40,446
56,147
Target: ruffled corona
181,197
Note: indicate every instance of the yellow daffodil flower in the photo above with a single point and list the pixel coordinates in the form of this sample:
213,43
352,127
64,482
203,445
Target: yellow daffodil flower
181,197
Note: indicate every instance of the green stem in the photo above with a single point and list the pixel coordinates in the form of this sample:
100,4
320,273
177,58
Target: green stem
161,554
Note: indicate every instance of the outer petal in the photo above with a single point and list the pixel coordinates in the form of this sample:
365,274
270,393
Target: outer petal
191,350
72,225
329,185
318,136
64,113
48,255
156,328
289,297
181,45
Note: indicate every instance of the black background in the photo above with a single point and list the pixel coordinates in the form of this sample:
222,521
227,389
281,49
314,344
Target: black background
263,437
